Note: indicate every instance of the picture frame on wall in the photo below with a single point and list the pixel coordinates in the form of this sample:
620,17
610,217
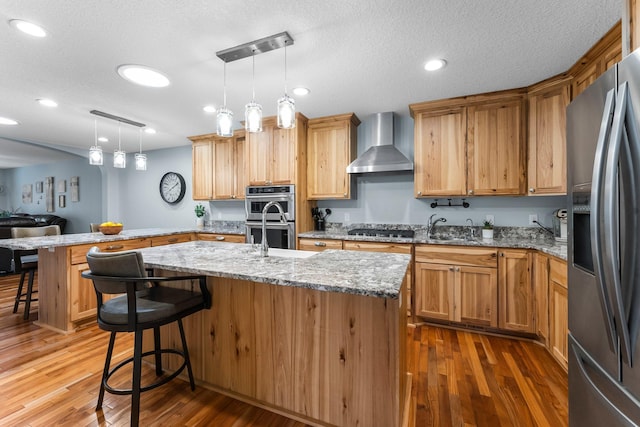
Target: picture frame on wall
75,188
62,201
38,186
27,193
62,186
51,207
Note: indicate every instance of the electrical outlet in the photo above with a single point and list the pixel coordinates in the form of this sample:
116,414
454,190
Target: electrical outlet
347,217
490,218
533,218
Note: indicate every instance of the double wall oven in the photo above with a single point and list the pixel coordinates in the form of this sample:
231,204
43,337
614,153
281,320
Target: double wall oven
281,232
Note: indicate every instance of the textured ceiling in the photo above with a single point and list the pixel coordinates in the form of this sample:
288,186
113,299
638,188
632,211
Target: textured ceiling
363,56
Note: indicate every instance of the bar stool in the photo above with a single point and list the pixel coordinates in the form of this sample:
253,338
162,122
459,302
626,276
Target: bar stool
26,261
94,227
146,304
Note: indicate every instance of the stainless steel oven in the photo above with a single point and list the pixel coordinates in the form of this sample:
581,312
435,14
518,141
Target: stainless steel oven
280,234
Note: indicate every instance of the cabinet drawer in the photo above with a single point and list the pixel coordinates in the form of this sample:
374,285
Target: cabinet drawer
78,254
558,272
230,238
319,245
396,248
168,240
439,254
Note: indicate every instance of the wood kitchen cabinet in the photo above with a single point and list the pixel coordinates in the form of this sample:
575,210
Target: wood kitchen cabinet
276,156
558,311
217,237
318,245
473,145
541,295
331,147
171,239
547,168
218,167
456,284
516,290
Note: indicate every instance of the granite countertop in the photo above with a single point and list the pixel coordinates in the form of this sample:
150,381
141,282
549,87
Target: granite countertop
87,238
553,248
361,273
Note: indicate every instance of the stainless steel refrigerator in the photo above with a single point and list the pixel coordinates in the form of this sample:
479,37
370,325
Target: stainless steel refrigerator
603,152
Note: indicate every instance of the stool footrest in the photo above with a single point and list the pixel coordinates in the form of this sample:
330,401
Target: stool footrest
162,381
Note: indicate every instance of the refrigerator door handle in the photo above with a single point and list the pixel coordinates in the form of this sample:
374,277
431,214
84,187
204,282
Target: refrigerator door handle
595,221
584,360
611,218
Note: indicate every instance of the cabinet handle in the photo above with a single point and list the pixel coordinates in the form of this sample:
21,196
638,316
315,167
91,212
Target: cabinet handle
501,254
322,244
419,193
470,192
220,238
457,268
345,194
532,190
452,269
172,240
114,247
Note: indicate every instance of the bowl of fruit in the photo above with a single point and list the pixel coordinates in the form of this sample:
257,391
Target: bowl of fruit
110,227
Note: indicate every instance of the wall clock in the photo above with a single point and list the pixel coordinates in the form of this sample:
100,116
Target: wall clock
172,187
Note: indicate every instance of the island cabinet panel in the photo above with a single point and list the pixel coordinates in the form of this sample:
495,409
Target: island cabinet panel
231,238
53,291
516,291
440,153
174,238
310,355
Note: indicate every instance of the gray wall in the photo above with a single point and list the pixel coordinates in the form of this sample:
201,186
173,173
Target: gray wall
4,195
78,214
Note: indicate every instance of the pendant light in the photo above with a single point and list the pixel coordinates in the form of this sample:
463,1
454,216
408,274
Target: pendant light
95,152
224,118
119,156
141,159
286,104
253,110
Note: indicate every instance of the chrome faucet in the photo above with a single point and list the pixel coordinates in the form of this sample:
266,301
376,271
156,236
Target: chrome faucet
471,232
264,247
432,223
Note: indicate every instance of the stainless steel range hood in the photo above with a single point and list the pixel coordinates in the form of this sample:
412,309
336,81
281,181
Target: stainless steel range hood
382,156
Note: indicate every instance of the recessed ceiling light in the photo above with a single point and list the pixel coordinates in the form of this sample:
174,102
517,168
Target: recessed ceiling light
149,131
103,139
28,28
435,64
47,102
7,121
209,109
301,91
144,76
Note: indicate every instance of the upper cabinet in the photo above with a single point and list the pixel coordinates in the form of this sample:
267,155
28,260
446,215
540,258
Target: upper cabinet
473,145
331,146
602,56
547,170
274,155
218,167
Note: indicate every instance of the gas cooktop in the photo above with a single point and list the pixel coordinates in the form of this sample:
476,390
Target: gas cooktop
376,232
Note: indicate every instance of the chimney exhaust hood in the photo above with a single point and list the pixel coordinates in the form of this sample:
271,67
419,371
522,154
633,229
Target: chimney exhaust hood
382,156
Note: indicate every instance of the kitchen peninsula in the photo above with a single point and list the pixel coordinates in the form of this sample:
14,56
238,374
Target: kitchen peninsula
318,337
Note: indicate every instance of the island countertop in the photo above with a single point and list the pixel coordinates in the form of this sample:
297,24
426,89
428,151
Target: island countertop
353,272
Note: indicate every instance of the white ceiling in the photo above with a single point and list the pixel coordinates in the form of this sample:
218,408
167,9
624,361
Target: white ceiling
363,56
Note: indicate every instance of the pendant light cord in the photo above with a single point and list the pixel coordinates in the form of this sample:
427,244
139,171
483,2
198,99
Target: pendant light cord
119,148
140,138
285,67
224,87
95,130
253,77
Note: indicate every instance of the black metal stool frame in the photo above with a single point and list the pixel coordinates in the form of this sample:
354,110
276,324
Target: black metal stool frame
132,325
25,297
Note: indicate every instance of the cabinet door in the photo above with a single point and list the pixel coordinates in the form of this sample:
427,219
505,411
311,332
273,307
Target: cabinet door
496,149
223,168
558,311
515,290
283,161
434,291
239,160
478,296
541,295
440,153
258,157
202,174
318,245
547,141
231,238
170,240
83,296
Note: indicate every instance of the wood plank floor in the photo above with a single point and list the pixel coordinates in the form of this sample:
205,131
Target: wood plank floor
460,379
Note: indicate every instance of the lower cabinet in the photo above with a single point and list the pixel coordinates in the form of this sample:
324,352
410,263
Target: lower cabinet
558,311
318,245
216,237
456,284
541,295
515,290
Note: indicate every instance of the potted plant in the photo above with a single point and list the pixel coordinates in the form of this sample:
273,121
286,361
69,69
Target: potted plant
487,230
200,212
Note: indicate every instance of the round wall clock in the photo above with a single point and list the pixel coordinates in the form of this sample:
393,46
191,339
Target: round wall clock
172,187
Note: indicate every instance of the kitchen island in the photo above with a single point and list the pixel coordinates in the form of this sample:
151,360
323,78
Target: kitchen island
318,337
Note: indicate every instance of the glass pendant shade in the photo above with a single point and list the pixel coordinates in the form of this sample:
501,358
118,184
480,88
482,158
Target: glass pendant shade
141,162
95,155
286,112
119,159
253,117
224,122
